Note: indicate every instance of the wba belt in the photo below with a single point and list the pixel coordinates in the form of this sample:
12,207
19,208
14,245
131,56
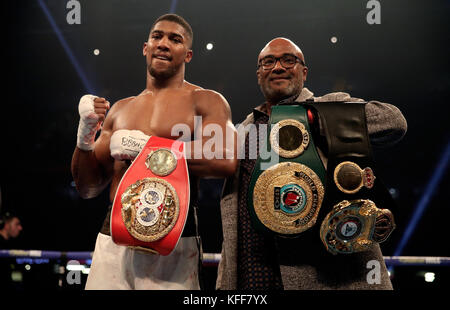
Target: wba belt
285,198
152,200
355,222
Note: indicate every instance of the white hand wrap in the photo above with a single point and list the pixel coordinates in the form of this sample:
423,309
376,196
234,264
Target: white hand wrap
89,124
126,144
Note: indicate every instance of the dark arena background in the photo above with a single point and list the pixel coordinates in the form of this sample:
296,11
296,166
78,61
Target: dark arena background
52,59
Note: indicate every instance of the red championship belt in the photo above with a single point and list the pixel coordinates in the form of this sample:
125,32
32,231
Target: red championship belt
152,200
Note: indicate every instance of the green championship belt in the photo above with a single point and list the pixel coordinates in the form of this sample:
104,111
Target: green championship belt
355,222
286,190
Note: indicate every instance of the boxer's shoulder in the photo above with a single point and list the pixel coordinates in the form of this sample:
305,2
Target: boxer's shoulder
208,102
208,96
199,92
191,87
114,111
120,104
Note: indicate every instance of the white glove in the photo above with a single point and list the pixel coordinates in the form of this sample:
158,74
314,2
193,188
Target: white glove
126,144
90,120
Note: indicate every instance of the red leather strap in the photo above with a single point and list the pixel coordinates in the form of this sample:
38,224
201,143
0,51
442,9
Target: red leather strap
179,179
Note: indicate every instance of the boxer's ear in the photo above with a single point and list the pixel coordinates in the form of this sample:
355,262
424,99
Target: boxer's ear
144,49
188,57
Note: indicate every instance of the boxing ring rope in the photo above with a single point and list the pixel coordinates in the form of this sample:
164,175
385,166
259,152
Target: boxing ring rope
213,259
46,254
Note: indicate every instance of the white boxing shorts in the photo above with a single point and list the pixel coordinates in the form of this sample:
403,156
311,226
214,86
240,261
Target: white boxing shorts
117,267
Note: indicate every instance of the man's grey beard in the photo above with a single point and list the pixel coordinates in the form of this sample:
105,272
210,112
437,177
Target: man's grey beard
275,96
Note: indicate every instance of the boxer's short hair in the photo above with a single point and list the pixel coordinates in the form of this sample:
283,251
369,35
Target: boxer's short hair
180,21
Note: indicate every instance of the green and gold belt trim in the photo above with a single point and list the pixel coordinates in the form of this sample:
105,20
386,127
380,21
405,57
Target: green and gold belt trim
285,199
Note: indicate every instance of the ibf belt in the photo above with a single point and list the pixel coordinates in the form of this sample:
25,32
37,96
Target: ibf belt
286,197
355,222
152,200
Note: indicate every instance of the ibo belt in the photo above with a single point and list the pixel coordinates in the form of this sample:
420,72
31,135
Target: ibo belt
152,200
285,198
354,222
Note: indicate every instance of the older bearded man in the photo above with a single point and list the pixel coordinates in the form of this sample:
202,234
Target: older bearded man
252,260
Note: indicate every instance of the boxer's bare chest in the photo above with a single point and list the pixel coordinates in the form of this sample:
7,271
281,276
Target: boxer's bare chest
158,114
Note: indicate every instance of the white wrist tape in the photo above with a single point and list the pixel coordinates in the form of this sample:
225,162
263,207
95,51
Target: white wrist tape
88,125
126,144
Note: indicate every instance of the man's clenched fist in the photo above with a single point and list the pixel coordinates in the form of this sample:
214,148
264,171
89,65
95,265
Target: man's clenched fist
92,111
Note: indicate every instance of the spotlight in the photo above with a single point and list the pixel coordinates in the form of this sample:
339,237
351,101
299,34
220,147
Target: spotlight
16,276
96,52
394,193
333,40
85,270
74,267
209,46
429,276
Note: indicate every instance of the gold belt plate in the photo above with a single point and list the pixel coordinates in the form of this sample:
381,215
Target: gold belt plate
354,226
294,186
150,208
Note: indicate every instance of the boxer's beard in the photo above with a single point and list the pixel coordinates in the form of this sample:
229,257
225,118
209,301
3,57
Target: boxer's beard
164,74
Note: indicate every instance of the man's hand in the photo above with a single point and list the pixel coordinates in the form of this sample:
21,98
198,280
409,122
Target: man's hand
92,111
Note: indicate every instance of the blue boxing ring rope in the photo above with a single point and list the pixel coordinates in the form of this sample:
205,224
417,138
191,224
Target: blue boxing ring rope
46,254
213,259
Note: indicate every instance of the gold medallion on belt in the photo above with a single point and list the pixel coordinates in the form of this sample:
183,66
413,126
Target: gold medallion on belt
287,198
161,162
350,178
289,138
150,206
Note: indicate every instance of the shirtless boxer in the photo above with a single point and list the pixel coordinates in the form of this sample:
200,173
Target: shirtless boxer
167,100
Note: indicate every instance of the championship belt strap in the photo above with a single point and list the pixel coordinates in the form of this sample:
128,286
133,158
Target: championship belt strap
152,200
286,194
355,222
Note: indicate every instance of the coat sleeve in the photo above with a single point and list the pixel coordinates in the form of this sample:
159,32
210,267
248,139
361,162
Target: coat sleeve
385,122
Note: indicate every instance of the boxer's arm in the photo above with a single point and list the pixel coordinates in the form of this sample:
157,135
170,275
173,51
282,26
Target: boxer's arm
218,154
92,169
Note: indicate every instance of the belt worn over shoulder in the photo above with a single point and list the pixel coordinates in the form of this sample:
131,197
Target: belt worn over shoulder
287,187
151,203
355,222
